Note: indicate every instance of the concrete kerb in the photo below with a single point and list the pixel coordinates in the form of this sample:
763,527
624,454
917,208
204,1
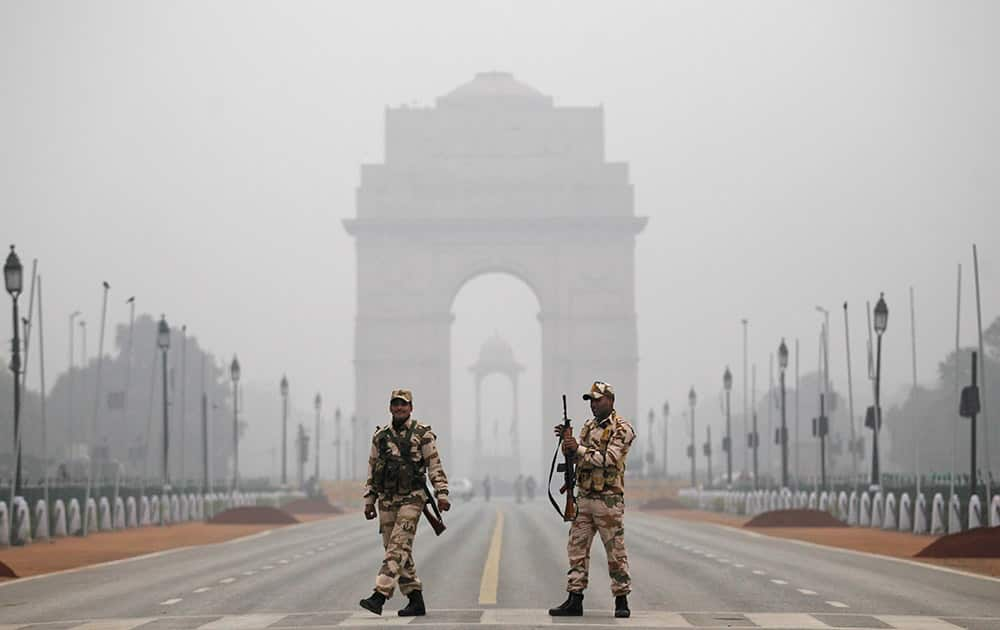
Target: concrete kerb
59,518
889,518
4,525
975,512
41,520
920,515
905,510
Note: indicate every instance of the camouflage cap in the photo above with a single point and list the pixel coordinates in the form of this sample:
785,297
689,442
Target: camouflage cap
404,394
599,389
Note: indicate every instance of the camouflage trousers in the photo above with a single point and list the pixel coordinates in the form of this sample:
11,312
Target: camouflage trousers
398,525
598,514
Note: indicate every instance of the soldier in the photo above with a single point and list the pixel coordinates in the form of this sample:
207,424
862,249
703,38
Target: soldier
600,460
403,455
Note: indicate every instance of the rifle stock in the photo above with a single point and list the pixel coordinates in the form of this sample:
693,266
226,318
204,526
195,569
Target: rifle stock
436,524
432,514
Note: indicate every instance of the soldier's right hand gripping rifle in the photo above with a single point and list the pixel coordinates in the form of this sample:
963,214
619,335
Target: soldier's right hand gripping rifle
567,468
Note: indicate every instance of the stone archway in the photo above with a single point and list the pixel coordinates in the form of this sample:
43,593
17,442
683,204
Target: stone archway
495,178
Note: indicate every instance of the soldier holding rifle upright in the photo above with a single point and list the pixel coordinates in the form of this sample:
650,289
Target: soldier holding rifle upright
599,456
403,455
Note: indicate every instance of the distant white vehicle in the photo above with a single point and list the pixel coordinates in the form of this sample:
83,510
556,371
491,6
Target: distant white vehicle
462,488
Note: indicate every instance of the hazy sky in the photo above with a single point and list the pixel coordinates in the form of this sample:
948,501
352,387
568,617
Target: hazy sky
201,156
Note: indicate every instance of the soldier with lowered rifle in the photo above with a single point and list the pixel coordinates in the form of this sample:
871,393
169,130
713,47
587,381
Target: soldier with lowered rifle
403,456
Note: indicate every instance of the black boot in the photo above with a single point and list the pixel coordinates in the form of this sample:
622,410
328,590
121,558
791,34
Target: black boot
572,607
621,606
373,602
416,606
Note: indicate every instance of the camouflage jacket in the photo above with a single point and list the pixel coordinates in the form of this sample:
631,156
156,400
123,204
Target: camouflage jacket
601,455
423,451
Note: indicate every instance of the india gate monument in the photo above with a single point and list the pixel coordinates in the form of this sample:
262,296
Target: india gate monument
493,178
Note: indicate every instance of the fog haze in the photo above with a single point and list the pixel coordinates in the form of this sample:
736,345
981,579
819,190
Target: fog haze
202,156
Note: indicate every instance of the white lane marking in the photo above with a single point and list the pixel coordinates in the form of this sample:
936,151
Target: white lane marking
170,602
102,624
806,591
739,566
537,618
249,573
282,561
267,567
203,589
297,556
836,604
780,582
310,553
786,620
759,572
245,622
914,622
722,560
228,580
709,555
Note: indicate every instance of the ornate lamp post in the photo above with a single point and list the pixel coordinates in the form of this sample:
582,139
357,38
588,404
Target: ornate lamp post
234,373
783,435
727,443
707,448
666,414
318,403
163,343
13,276
881,320
692,401
284,430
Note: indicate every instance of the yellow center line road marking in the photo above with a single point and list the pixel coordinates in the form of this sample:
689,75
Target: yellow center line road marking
491,570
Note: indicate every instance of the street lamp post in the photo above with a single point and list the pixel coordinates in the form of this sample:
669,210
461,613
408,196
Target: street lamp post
318,402
13,275
650,456
234,374
692,401
727,443
666,413
708,454
337,440
284,430
354,440
783,436
69,378
753,438
881,320
163,342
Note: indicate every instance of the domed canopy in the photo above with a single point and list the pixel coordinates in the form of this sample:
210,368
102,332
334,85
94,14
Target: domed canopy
494,89
496,355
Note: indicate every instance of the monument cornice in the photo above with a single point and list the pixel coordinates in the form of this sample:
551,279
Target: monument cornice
538,226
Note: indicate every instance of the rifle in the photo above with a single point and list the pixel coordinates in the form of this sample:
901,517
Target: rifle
435,520
569,474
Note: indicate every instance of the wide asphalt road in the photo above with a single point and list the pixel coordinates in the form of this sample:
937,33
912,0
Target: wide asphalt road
502,564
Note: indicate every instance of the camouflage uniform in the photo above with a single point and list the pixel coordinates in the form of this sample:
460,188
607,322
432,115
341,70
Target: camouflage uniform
600,473
400,508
